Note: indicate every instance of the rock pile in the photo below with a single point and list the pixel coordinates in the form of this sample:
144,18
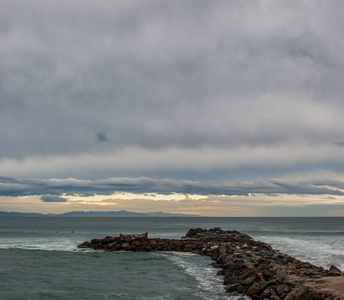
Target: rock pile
249,267
141,242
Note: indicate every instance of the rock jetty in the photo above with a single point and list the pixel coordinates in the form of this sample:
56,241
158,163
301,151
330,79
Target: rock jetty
249,267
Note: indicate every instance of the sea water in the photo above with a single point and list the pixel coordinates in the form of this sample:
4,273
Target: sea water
39,258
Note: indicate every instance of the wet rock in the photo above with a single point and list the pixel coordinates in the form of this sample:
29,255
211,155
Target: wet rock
254,289
152,243
249,267
334,271
221,272
192,233
308,272
232,287
320,281
84,245
230,280
191,246
96,241
111,245
283,289
266,274
267,293
304,293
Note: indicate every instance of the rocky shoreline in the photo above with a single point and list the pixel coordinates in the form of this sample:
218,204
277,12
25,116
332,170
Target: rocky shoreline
249,267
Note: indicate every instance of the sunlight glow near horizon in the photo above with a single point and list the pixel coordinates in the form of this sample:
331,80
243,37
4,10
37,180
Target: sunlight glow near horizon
204,205
133,196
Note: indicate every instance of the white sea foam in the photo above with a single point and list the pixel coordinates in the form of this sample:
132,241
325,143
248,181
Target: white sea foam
209,284
321,252
167,297
38,244
115,296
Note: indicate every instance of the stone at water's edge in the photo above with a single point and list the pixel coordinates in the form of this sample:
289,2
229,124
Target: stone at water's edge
249,267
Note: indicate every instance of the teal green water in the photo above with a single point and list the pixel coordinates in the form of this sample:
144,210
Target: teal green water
40,260
37,274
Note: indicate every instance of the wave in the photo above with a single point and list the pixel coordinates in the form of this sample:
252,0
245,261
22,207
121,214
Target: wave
312,233
321,252
210,285
39,244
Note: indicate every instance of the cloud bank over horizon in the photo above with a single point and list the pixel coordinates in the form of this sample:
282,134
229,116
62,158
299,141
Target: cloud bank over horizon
269,197
173,96
72,186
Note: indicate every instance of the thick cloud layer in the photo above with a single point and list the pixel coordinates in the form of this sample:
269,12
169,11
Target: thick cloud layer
203,90
48,188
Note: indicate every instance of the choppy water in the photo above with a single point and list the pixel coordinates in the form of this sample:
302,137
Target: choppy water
39,258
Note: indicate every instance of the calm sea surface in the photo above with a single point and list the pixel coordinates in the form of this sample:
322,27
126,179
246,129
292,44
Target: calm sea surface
39,258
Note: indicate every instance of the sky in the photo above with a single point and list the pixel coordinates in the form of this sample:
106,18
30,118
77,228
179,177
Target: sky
216,108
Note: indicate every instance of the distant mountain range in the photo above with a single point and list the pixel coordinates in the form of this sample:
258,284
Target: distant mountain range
121,213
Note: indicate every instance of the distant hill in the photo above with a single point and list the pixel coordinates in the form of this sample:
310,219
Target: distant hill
121,213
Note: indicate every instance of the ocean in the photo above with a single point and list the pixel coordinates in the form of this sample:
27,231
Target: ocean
39,258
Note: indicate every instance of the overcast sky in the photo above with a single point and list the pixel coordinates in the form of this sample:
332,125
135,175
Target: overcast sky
210,98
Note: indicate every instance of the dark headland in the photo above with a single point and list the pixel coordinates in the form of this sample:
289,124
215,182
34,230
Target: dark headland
249,267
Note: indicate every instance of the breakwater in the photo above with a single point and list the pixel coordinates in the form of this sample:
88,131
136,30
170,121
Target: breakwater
248,267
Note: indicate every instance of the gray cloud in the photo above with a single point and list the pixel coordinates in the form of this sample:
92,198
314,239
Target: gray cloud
157,75
101,138
339,144
53,198
13,187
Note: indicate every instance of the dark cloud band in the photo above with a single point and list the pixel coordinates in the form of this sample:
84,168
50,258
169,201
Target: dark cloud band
13,187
